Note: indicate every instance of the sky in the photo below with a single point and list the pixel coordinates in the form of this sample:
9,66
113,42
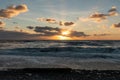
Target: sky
60,19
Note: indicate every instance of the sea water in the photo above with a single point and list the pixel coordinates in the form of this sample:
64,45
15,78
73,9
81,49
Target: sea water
60,54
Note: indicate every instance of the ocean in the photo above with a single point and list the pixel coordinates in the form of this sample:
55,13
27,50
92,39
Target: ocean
95,55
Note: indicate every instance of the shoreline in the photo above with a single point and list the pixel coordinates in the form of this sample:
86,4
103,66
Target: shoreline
17,62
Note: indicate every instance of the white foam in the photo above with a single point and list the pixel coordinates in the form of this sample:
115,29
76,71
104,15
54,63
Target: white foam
7,61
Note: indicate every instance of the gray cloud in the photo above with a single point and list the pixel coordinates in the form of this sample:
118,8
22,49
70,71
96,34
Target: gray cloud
14,35
30,27
77,34
99,17
101,34
49,20
113,11
54,21
96,17
13,10
41,32
66,23
116,25
49,31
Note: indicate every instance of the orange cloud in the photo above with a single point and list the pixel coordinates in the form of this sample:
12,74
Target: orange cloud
2,24
12,11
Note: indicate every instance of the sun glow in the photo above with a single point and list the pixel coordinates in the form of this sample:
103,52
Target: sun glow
63,37
65,32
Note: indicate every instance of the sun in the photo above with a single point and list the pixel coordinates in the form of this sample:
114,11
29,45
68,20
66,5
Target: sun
65,33
60,37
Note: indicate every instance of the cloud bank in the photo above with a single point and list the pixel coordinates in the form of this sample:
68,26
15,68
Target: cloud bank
15,35
50,31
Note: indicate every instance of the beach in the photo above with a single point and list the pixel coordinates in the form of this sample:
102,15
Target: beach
58,74
59,60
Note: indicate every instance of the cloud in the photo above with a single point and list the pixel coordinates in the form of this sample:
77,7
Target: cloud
14,35
66,23
12,11
40,33
49,31
115,25
77,34
96,17
99,17
101,34
54,21
49,20
30,27
2,24
113,11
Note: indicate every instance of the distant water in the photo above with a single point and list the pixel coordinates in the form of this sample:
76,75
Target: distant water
61,53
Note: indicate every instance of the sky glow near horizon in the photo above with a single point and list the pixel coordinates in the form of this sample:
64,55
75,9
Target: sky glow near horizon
47,19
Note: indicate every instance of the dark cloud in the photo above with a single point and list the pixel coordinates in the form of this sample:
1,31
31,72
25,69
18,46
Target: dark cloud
41,33
13,10
49,20
30,27
2,24
15,23
14,35
101,34
54,21
47,31
66,23
113,11
98,17
77,34
116,25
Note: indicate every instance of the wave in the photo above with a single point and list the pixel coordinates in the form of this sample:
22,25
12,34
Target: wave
49,44
73,52
69,49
